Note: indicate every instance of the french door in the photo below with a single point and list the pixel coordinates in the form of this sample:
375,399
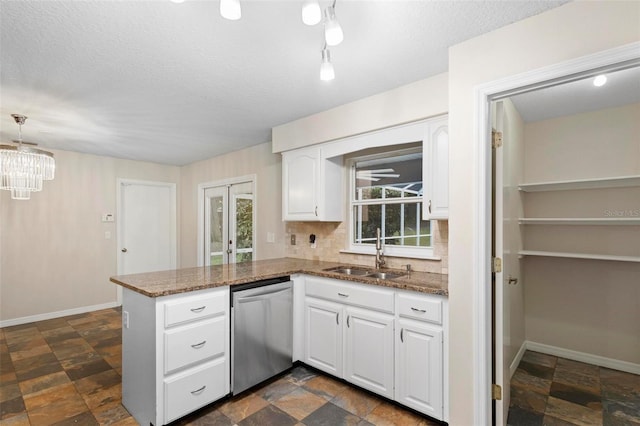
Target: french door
229,220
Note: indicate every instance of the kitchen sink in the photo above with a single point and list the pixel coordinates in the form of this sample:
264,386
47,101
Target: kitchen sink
366,273
350,271
385,275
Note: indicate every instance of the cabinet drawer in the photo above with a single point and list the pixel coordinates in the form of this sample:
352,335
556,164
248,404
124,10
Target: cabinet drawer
196,388
420,308
371,296
194,343
195,307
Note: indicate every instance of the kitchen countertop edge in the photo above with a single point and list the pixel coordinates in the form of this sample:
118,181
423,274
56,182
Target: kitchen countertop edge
165,283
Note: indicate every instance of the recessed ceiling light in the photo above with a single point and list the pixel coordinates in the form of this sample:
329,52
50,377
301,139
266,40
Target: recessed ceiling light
600,80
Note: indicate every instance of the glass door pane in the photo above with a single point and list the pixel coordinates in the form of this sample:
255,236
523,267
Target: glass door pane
242,226
216,230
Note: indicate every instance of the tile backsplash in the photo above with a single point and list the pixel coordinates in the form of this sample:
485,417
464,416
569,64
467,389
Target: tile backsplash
331,237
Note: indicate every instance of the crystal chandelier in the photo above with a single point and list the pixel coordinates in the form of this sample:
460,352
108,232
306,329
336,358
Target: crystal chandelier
22,168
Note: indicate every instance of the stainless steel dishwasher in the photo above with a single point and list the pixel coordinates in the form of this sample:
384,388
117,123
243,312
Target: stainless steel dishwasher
261,331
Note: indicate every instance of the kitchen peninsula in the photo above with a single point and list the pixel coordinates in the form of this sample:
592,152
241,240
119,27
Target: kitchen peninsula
385,335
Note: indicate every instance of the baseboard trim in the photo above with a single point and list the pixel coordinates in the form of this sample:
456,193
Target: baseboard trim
601,361
516,361
57,314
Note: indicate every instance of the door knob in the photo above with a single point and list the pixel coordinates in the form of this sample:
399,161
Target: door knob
124,250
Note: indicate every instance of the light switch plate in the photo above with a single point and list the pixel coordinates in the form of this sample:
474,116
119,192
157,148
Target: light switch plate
107,217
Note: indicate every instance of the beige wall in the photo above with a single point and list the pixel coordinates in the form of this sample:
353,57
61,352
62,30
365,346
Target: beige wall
595,144
258,160
570,31
584,305
415,101
54,253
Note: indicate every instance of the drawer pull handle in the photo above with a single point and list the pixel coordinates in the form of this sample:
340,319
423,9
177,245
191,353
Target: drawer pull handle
337,318
199,345
197,391
402,335
422,311
348,316
198,310
343,295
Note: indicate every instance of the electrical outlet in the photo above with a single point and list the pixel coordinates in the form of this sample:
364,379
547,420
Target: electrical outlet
293,239
125,319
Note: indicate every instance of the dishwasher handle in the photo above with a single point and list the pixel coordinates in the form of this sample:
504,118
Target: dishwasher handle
268,294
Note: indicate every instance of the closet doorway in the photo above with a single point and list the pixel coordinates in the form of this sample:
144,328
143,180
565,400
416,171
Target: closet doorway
566,228
228,222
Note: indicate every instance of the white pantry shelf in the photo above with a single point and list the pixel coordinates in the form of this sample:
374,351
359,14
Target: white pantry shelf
564,185
579,221
580,256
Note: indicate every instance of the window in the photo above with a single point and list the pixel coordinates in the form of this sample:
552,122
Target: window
386,193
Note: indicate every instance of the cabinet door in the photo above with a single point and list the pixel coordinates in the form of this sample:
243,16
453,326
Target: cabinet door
300,191
323,335
435,172
419,372
369,350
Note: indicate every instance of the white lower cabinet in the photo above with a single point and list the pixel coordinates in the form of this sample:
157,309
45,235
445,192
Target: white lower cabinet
175,353
419,371
368,350
323,335
390,342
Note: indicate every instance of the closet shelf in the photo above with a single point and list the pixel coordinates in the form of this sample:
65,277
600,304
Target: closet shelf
579,221
563,185
579,256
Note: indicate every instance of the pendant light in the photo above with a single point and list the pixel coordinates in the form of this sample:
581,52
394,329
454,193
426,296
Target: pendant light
332,30
327,72
22,168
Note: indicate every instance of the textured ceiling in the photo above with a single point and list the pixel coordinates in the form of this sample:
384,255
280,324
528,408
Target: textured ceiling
176,83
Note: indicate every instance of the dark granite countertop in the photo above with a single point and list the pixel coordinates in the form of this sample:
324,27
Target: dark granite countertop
164,283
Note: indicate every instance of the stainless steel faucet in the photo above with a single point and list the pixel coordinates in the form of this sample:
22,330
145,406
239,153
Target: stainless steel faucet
380,262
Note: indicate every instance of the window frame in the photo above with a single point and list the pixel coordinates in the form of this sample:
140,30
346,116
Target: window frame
389,250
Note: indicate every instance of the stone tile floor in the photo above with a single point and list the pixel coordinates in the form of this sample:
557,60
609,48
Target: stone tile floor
67,371
552,391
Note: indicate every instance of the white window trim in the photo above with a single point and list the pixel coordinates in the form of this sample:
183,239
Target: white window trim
391,251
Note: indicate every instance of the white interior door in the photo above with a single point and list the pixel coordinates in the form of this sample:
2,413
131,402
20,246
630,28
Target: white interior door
498,299
146,227
229,218
508,289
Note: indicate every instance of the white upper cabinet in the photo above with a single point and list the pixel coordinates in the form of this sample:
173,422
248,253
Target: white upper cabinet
311,186
435,173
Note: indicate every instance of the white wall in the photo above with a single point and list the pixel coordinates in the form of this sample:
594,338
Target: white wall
570,31
54,253
412,102
584,305
257,160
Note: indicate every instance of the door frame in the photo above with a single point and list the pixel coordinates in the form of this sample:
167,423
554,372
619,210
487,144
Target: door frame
253,178
563,72
120,183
